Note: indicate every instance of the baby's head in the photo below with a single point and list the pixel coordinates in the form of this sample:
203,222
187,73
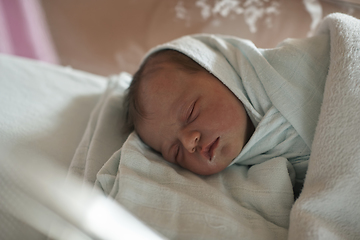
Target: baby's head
186,114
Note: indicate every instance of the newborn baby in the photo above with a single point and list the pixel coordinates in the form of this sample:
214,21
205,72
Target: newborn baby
206,102
185,113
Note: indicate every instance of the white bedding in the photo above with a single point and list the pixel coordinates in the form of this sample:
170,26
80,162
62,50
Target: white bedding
43,115
44,108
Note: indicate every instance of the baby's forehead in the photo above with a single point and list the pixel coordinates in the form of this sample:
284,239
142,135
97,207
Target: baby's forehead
161,76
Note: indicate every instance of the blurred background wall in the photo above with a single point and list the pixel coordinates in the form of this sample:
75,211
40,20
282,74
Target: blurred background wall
109,36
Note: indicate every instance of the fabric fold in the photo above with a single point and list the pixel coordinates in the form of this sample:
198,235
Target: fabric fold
105,121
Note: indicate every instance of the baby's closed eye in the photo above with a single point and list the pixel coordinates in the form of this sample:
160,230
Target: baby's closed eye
192,113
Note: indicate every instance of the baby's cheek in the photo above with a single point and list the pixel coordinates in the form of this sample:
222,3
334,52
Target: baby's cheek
229,152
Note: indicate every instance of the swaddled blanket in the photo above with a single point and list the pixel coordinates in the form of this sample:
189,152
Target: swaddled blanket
251,202
281,89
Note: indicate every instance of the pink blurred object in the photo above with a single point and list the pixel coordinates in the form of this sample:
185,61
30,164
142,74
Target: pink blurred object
24,32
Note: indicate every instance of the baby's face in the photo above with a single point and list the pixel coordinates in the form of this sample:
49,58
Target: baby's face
192,119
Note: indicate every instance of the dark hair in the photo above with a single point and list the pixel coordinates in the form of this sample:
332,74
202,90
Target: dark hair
132,108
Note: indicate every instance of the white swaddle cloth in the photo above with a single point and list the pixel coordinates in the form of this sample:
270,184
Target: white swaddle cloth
281,89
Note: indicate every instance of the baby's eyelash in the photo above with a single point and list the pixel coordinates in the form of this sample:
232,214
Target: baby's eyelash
191,112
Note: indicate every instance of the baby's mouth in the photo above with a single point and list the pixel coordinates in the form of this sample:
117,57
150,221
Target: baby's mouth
210,149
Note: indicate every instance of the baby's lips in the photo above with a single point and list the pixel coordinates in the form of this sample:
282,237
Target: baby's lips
210,149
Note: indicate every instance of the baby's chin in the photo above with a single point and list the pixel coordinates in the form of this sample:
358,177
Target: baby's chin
210,170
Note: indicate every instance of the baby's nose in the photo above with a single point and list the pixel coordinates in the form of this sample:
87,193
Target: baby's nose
190,140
